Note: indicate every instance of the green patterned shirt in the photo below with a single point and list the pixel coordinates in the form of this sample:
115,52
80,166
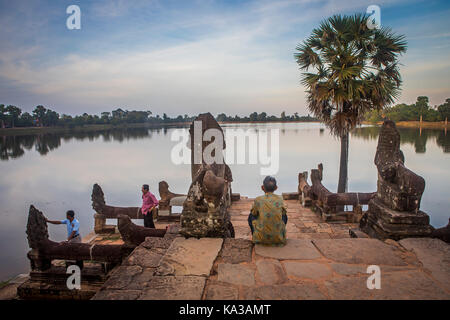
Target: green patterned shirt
269,226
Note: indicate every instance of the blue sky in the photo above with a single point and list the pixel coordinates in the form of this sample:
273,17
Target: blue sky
186,57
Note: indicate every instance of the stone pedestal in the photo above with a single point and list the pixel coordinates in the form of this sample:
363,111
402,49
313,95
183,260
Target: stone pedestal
394,211
209,197
52,284
384,223
100,225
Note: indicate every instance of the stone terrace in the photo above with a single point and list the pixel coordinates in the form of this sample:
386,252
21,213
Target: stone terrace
302,222
320,261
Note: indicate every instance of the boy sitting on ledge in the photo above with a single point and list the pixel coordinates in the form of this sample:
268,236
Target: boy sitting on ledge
268,218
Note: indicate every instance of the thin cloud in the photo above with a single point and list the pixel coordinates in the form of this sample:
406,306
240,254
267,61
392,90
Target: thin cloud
173,57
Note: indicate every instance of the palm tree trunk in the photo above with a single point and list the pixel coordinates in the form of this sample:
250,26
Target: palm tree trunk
343,166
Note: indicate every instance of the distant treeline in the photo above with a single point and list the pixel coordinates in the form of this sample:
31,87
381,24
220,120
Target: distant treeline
419,111
15,146
12,116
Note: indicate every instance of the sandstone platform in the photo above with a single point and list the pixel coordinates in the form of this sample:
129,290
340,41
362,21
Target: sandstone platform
319,261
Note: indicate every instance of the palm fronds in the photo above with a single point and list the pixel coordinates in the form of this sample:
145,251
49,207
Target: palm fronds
349,69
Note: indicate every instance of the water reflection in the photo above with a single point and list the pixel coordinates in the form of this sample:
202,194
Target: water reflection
12,147
413,136
55,172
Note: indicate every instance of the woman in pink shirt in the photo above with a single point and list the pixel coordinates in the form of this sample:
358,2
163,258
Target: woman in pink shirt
149,202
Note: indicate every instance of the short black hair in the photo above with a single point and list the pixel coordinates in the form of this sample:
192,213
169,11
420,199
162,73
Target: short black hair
71,213
146,187
270,184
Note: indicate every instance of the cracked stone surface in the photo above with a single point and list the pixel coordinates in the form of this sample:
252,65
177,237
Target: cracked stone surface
221,292
270,271
308,270
295,249
117,295
434,254
236,274
179,259
325,264
122,277
409,285
303,291
174,288
348,269
236,251
145,258
363,251
156,242
348,288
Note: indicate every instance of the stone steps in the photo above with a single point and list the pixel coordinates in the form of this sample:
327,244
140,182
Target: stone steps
323,263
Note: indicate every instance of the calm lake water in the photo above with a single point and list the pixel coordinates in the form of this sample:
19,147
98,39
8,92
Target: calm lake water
56,172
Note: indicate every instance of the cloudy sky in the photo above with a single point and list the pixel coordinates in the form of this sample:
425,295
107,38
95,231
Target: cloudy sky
185,57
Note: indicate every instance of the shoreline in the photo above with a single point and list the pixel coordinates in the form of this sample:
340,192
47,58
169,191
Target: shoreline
85,128
414,124
100,127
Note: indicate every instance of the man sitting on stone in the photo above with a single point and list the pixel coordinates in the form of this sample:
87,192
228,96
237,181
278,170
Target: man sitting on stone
149,204
268,218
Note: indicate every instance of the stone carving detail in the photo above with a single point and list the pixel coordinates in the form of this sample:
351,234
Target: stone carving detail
104,211
44,250
328,203
166,195
134,235
111,212
394,211
205,210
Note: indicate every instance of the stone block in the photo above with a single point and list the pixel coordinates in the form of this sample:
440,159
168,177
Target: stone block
301,291
236,251
306,270
144,257
434,254
270,271
295,249
221,292
190,257
117,295
174,288
359,251
236,274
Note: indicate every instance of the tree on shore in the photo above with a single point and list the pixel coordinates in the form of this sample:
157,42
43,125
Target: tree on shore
45,117
444,110
422,105
39,114
412,112
2,115
348,70
13,113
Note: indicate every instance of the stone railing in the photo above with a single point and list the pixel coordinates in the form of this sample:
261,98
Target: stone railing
329,204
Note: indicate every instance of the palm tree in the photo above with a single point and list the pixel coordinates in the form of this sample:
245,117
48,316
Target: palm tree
349,69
